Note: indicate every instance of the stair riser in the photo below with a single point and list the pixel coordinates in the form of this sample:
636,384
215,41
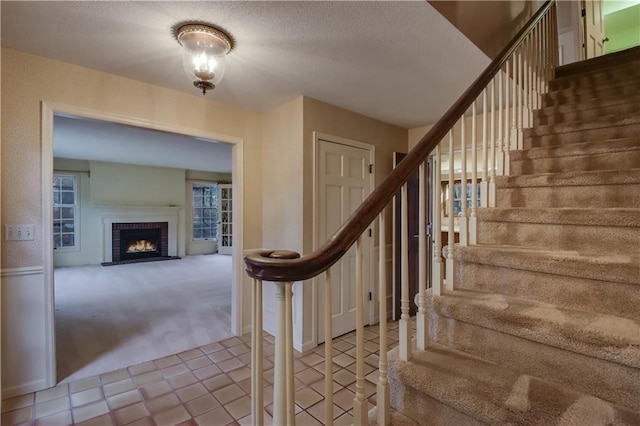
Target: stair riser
590,135
606,123
568,97
571,292
621,160
579,149
423,409
515,317
560,237
602,196
588,105
607,63
602,78
607,380
545,119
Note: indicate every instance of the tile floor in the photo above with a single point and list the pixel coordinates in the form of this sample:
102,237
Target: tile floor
209,385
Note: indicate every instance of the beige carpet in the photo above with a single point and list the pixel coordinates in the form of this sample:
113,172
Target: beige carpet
543,324
110,317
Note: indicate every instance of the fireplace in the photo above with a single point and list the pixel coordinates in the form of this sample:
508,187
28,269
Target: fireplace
139,241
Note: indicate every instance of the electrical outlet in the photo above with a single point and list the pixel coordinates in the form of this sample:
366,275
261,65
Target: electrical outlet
18,232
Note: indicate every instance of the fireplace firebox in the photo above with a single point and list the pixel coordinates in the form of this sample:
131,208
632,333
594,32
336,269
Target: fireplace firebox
139,241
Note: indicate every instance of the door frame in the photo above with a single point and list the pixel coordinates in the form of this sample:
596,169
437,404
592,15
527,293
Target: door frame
48,111
317,293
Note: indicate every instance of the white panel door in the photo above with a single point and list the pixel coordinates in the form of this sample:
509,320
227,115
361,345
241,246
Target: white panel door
343,182
594,37
225,214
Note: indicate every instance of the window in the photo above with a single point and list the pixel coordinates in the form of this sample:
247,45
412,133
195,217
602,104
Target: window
65,212
205,211
457,198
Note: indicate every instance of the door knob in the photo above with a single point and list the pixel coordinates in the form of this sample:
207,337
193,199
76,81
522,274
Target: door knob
606,39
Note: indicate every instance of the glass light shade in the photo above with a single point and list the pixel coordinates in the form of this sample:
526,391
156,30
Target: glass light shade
204,66
204,54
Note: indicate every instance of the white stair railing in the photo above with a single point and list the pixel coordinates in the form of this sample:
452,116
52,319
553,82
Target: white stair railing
495,110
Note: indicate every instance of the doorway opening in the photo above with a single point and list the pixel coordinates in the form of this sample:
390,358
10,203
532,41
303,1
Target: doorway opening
197,284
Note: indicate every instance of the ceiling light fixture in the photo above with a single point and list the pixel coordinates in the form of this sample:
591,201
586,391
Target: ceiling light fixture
204,53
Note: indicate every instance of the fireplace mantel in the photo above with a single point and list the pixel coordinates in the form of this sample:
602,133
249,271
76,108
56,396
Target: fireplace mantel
138,214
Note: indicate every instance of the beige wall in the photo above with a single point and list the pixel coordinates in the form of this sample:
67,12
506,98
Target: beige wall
328,119
489,24
72,85
282,171
278,181
28,80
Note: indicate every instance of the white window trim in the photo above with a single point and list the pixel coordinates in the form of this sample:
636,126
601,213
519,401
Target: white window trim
76,214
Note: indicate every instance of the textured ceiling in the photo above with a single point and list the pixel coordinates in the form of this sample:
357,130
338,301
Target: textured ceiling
399,62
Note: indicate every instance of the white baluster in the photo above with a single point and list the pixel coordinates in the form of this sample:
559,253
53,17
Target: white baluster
291,414
514,104
383,391
422,328
530,88
547,51
328,350
504,155
450,248
534,64
463,218
360,405
280,398
257,369
553,35
499,160
520,102
474,178
437,224
405,327
526,95
539,65
484,185
492,144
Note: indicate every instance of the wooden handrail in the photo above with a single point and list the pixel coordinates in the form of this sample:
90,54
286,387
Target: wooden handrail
288,266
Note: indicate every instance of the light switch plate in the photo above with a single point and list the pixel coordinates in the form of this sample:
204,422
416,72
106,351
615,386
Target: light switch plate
18,232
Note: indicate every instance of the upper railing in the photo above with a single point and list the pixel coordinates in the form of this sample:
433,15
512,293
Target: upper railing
507,92
261,266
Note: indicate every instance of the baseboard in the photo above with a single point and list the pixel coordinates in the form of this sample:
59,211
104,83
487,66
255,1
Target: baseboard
246,329
24,388
305,347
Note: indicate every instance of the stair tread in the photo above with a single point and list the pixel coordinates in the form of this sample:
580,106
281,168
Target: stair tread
621,217
496,394
582,178
590,104
621,268
577,126
576,149
603,336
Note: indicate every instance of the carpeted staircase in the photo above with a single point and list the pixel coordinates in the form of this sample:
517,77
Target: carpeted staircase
544,324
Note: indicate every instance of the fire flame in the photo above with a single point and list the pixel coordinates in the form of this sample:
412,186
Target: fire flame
141,246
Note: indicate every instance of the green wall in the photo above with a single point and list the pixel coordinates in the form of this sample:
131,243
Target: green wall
623,29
